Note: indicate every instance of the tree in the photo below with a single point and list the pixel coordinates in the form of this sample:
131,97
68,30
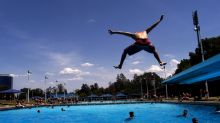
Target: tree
23,95
184,64
37,92
211,47
133,86
84,91
120,84
61,89
94,88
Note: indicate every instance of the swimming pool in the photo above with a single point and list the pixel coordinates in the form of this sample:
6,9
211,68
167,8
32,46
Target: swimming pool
144,113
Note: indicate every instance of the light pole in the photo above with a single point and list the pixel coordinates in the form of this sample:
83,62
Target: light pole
165,76
197,29
153,81
64,90
56,88
147,88
45,94
141,88
166,91
28,93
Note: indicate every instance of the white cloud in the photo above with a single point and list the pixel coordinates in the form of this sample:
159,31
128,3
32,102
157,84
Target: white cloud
70,71
16,32
173,66
100,68
84,73
136,62
174,63
49,74
169,55
136,71
87,64
51,83
31,81
170,68
91,21
72,74
75,78
16,75
61,59
154,68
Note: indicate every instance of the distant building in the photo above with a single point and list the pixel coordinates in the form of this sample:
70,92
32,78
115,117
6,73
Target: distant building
6,82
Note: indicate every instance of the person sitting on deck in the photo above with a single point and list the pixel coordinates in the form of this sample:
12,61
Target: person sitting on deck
186,96
19,105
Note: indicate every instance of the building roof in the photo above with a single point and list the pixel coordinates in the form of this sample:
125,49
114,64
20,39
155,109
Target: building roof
11,91
10,75
106,95
120,95
207,70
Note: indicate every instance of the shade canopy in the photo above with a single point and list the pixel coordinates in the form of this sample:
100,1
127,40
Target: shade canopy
207,70
120,95
92,96
11,91
106,95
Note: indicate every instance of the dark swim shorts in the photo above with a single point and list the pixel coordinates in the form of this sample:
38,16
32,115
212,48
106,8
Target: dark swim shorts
134,48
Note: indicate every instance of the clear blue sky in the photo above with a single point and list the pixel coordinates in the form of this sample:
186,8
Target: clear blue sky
67,40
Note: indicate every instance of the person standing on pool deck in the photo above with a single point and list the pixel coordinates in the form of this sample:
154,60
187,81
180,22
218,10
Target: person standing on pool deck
142,42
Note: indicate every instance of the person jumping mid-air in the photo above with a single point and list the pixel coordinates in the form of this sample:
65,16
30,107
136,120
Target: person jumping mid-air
141,43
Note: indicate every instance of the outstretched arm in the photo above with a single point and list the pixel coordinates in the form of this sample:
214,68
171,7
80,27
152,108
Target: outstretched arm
155,24
122,33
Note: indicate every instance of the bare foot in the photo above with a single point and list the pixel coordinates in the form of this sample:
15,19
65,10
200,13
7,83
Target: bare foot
163,63
117,67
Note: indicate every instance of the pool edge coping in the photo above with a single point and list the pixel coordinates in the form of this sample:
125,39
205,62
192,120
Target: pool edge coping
114,103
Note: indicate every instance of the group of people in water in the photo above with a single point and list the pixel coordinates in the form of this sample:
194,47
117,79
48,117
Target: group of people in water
184,115
62,109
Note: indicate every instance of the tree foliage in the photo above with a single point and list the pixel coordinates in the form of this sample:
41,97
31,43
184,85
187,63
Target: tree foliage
211,47
122,84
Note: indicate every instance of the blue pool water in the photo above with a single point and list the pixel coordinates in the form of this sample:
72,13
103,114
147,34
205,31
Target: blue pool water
144,113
